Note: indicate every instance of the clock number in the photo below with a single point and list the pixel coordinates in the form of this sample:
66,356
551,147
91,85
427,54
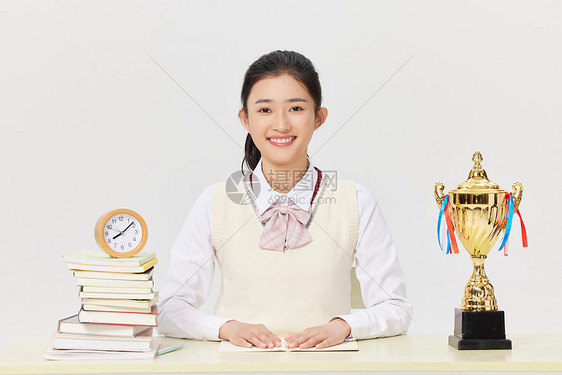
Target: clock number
120,218
106,233
135,239
129,244
136,231
113,221
122,247
115,245
109,240
109,226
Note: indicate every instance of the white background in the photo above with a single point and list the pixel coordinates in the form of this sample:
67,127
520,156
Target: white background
93,118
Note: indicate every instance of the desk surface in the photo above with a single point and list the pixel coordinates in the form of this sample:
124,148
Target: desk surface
537,352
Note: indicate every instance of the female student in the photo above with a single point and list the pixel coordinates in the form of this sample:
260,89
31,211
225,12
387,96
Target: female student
286,257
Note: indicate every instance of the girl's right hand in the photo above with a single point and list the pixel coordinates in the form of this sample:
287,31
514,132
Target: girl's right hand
248,335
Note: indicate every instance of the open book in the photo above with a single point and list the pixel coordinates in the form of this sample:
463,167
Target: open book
227,346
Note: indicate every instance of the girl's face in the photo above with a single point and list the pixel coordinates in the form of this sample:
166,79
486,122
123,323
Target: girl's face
281,118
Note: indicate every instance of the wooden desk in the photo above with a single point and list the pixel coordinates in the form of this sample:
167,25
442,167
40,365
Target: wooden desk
531,353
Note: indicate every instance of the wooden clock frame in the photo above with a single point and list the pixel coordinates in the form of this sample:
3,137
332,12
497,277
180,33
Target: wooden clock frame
100,225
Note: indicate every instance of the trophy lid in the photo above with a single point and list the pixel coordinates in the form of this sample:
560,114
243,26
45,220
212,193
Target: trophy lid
477,178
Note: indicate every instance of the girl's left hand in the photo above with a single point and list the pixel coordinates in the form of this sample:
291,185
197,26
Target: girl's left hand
324,336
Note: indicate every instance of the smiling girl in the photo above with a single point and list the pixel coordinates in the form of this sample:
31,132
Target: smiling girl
286,257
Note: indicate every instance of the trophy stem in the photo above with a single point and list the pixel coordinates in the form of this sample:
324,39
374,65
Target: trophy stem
479,292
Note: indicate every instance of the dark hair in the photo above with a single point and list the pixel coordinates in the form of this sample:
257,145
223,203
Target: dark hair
274,64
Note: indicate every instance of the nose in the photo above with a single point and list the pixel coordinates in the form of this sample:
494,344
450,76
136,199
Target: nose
281,122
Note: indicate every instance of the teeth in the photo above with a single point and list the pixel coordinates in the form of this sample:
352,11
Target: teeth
283,140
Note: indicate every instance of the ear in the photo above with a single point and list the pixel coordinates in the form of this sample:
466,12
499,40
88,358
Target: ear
244,119
321,116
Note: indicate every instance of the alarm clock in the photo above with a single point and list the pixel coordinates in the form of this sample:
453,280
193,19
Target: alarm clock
121,233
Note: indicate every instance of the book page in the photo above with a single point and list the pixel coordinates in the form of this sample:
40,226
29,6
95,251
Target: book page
227,346
89,355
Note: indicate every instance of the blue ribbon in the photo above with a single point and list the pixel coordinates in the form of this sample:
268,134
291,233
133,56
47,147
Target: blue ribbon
441,212
510,206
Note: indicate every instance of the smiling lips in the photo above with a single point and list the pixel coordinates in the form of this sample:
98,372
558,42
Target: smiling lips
281,142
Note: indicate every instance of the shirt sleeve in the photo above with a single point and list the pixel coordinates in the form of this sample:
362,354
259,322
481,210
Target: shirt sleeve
386,312
189,279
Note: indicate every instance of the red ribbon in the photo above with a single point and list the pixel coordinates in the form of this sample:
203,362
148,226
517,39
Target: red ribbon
523,230
451,229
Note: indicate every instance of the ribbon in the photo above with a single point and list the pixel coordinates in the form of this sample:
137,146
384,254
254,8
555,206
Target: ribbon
439,230
509,213
451,241
450,231
510,207
523,230
284,225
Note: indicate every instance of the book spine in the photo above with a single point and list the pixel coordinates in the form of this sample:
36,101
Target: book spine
120,318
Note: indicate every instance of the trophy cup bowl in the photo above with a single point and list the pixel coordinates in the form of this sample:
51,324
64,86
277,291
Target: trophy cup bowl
479,213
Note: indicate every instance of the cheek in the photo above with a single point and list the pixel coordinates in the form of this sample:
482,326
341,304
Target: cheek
257,124
306,139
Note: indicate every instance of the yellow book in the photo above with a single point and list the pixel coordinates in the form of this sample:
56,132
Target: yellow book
116,268
127,303
115,275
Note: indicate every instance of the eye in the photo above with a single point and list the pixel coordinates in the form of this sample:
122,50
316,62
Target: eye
296,108
264,110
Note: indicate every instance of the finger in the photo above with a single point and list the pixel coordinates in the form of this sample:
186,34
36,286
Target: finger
306,335
293,337
264,338
274,339
298,340
290,339
326,343
292,342
312,342
256,341
240,341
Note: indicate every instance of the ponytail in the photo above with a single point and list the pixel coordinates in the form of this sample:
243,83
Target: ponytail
252,154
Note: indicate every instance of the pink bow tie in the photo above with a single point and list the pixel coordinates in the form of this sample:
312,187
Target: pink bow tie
284,223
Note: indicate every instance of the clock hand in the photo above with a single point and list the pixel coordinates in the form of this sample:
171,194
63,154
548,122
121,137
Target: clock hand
120,232
128,227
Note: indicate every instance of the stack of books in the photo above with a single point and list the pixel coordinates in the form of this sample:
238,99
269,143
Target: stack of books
118,311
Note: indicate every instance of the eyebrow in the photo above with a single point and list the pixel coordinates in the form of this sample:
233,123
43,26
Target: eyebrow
293,100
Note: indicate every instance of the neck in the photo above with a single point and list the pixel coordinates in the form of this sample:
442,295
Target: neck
283,177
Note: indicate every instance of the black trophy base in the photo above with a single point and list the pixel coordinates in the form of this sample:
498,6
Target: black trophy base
478,344
479,330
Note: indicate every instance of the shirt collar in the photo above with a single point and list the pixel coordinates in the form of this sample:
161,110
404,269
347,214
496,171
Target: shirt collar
301,193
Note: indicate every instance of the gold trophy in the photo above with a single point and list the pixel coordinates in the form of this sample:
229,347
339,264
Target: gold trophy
478,210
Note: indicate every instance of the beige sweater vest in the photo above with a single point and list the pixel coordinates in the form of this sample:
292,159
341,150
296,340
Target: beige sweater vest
286,291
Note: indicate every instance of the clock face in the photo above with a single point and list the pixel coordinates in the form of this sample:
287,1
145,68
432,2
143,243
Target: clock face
121,233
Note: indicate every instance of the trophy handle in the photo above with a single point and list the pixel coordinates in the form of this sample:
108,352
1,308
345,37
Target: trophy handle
517,194
438,193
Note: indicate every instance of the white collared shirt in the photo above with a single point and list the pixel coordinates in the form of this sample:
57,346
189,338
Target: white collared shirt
192,266
301,193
